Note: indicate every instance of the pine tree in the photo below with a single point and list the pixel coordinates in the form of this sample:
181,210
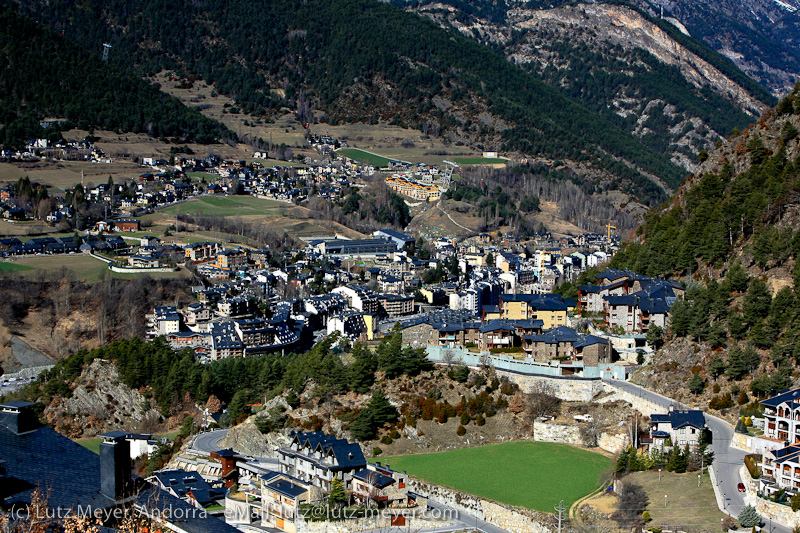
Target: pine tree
697,384
337,497
749,517
362,371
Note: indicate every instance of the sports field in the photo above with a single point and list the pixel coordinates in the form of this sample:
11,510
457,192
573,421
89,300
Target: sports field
227,206
536,475
364,157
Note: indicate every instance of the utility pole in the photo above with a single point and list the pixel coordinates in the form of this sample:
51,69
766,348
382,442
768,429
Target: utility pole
560,509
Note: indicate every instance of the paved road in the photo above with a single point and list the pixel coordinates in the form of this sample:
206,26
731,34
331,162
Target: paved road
728,460
208,441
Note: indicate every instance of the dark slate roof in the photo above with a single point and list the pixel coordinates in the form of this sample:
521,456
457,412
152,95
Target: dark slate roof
622,300
376,479
497,325
44,457
659,418
693,418
789,453
286,488
555,336
789,396
589,340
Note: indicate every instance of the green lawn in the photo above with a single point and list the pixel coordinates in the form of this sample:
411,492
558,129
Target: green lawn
689,507
364,157
536,475
479,161
5,267
227,206
86,268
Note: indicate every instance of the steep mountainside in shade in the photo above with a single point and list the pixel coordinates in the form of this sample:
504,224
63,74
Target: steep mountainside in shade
761,36
362,60
744,202
44,75
671,91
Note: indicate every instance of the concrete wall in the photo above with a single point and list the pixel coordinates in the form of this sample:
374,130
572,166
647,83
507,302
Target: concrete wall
139,270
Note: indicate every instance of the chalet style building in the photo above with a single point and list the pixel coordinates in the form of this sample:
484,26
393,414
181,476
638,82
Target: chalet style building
316,458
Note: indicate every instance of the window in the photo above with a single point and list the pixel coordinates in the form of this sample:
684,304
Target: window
683,443
683,431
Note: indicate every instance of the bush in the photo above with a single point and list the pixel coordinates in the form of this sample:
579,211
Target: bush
721,402
386,440
461,431
376,451
465,419
480,420
646,516
751,461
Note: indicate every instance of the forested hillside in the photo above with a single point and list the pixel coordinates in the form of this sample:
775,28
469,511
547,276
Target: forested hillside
361,60
732,233
639,72
45,75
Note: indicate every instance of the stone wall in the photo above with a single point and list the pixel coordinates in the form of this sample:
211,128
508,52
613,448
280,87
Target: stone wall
511,519
382,522
551,432
566,389
778,512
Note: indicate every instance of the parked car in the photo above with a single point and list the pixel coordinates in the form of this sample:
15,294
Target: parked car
741,488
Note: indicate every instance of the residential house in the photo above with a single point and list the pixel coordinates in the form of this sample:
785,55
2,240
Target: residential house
316,458
681,427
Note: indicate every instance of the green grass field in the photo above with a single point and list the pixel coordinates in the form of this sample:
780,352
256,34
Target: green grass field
688,505
86,268
536,475
227,206
479,161
5,267
364,157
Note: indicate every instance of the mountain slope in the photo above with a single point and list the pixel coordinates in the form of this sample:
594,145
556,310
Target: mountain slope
761,36
744,202
639,72
43,74
360,60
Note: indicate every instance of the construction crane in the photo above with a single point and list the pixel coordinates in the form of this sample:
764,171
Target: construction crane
448,173
609,227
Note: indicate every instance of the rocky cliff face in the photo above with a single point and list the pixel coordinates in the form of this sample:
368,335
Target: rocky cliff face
101,402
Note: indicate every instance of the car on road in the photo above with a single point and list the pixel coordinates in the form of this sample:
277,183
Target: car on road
741,488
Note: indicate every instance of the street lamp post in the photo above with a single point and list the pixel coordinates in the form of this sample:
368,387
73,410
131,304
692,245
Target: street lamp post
698,480
665,500
659,475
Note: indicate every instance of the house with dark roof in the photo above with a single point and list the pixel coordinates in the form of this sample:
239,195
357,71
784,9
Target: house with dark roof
315,458
188,486
782,417
681,427
33,456
780,470
379,486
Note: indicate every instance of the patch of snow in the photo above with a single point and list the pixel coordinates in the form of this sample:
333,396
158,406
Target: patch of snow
788,7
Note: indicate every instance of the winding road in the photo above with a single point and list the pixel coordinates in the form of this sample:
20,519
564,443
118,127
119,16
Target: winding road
728,461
